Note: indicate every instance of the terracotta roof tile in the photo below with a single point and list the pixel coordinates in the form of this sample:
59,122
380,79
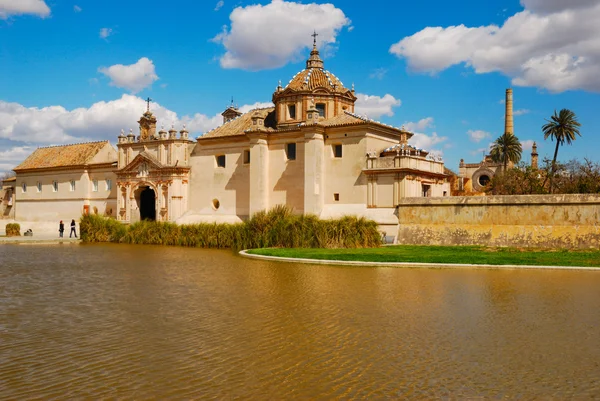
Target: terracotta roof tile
313,78
62,156
238,125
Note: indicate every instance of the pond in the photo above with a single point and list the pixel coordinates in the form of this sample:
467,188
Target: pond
139,322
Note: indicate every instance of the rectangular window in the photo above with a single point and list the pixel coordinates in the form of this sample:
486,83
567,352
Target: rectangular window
336,197
95,185
221,161
292,111
72,185
246,157
290,151
321,108
39,186
108,185
426,190
54,186
24,187
337,150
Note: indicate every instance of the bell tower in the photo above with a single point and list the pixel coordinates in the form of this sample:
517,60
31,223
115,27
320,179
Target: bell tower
147,124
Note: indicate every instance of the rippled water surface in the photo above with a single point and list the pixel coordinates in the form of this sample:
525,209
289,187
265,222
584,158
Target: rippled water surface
139,322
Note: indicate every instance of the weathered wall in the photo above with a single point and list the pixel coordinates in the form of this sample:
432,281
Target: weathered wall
557,221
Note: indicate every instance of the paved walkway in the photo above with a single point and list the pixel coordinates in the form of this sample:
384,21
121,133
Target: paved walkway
409,264
44,232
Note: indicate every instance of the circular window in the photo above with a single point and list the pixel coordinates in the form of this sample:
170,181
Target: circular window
484,180
216,204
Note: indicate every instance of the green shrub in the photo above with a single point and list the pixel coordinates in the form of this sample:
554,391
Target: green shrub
279,227
13,230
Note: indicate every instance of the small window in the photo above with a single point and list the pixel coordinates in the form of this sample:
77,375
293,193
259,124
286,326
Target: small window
337,150
39,186
72,185
221,161
292,111
95,185
336,197
246,157
24,187
108,185
216,204
426,190
290,151
54,186
321,108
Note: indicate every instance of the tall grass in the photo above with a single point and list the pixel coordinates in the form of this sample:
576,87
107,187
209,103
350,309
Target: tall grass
278,227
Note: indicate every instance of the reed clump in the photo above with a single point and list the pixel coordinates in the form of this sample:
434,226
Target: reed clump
279,227
13,230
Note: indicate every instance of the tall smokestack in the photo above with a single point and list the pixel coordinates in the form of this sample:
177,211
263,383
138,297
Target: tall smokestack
508,119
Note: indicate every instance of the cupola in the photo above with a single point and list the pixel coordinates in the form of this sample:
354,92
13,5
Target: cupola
331,97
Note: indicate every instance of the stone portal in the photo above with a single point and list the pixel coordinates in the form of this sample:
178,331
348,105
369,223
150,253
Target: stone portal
147,204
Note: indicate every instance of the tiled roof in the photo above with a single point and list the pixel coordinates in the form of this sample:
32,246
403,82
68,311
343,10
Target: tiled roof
342,119
239,125
62,156
313,78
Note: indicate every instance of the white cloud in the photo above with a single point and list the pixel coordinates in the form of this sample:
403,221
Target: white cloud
376,106
105,32
420,125
18,7
219,5
483,151
134,77
478,135
378,73
427,142
76,8
527,144
24,128
258,105
250,41
520,112
552,44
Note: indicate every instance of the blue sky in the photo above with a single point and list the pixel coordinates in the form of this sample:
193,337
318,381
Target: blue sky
73,71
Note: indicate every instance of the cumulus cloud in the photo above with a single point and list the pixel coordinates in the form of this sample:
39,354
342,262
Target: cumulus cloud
376,106
552,44
427,142
24,128
19,7
251,44
105,32
422,140
219,5
527,144
420,125
478,135
134,77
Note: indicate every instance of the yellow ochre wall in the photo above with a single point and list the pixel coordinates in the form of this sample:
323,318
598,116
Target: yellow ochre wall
545,221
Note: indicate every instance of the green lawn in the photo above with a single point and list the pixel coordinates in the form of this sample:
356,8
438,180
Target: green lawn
445,254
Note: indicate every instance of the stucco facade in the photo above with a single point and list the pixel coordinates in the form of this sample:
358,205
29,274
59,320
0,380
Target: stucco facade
62,182
311,153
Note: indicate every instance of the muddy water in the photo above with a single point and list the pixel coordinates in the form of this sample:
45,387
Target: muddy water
140,322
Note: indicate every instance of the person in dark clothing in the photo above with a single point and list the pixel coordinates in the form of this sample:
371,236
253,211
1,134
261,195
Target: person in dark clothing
61,228
73,229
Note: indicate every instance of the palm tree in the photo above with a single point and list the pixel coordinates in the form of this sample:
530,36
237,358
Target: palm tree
505,149
562,127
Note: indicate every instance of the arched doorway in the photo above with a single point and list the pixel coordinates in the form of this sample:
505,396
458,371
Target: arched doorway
147,204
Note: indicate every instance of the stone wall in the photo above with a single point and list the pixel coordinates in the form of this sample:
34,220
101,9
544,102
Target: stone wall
545,221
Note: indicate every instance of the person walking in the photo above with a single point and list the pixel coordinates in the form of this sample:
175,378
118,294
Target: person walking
61,228
73,229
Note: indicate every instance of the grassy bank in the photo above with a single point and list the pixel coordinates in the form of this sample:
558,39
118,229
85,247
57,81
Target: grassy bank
278,227
446,254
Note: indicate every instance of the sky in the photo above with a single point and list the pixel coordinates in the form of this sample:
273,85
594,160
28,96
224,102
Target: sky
76,71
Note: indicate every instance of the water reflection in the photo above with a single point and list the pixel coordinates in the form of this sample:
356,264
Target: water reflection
129,322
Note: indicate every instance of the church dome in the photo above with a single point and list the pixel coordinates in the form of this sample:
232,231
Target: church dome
313,78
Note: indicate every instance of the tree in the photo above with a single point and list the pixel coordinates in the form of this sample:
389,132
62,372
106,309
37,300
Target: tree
506,148
561,127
